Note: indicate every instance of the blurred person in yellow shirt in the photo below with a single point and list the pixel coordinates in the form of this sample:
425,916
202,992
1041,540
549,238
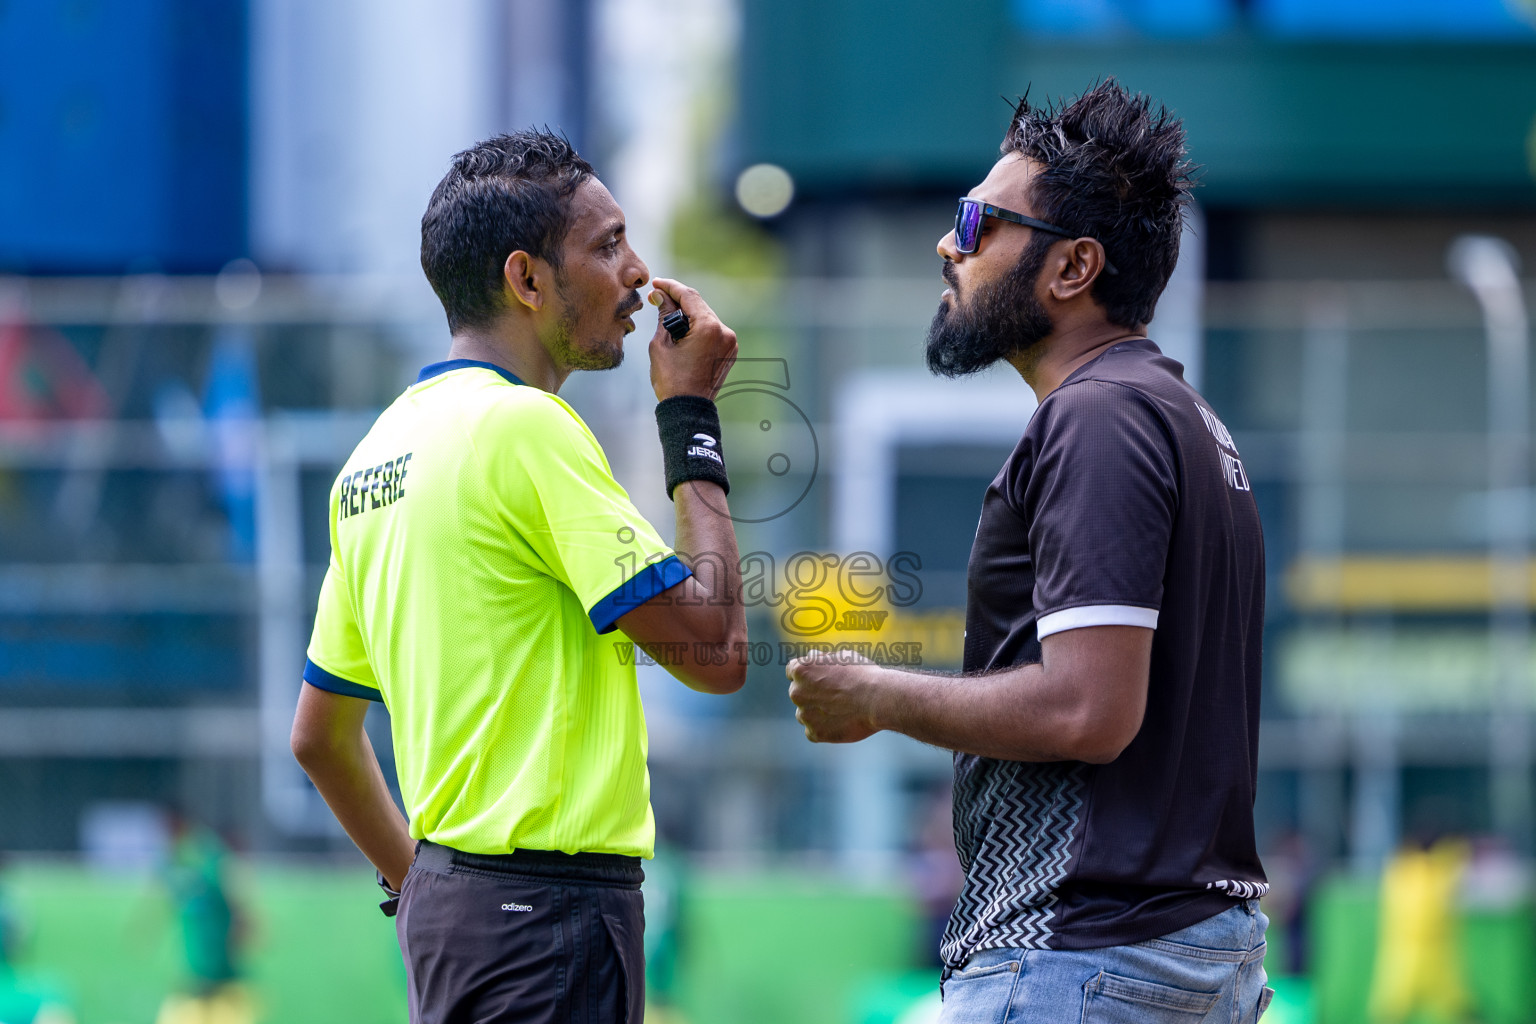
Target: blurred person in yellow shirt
1418,959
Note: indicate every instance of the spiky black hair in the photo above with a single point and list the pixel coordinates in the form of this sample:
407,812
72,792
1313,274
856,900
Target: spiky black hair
1115,168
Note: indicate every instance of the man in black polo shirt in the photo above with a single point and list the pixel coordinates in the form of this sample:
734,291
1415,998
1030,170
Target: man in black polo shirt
1106,727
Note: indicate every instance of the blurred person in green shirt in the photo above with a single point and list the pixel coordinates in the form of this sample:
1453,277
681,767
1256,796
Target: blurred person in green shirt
24,999
211,926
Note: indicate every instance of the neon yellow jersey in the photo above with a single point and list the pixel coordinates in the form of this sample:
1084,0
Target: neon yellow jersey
481,552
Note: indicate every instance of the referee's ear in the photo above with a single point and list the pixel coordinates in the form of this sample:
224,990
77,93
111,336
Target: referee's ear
528,279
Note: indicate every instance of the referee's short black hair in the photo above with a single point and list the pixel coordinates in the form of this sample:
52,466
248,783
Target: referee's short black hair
1114,168
507,193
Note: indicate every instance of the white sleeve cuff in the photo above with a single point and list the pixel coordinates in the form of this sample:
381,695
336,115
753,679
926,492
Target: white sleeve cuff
1096,615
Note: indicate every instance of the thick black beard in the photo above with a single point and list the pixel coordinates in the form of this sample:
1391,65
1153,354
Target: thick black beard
1003,320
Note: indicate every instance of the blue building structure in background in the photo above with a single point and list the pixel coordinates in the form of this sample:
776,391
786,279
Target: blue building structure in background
146,144
123,135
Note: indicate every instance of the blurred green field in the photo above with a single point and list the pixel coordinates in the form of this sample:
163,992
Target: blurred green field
1498,948
755,948
773,948
760,947
319,948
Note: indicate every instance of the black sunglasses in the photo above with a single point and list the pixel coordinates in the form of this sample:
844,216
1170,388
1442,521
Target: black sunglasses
968,227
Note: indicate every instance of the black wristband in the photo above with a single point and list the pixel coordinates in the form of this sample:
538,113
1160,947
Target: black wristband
690,441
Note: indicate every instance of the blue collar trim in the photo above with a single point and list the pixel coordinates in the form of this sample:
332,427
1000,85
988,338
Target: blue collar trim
433,369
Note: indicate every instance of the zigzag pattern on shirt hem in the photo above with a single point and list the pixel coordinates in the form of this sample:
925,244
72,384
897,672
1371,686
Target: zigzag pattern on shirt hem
1242,890
1014,826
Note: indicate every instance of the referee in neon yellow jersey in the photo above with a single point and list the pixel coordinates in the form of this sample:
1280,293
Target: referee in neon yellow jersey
486,570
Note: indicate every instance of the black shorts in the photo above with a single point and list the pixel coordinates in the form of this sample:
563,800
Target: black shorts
528,937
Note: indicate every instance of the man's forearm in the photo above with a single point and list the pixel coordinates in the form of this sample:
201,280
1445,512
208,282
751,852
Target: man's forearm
702,617
703,614
352,783
706,540
1084,702
1010,715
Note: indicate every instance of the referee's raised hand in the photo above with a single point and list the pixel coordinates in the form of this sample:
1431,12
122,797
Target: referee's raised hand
697,363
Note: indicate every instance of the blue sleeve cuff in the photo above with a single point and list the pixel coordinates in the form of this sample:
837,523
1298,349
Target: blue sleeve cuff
638,589
320,679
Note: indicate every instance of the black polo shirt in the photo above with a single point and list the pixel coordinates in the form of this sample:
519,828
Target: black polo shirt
1125,503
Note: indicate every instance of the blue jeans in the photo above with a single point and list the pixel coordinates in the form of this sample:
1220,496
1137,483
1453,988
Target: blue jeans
1211,972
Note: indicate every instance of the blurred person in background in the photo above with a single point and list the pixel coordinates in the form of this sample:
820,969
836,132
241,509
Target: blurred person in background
24,999
212,929
936,876
1294,871
666,893
1419,973
487,576
1106,727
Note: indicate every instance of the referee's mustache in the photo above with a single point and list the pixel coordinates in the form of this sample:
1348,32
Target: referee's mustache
630,305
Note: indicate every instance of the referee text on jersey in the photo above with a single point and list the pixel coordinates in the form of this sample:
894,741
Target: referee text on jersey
486,570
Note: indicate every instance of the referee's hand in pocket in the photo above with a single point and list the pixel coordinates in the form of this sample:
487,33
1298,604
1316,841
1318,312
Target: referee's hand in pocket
697,363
